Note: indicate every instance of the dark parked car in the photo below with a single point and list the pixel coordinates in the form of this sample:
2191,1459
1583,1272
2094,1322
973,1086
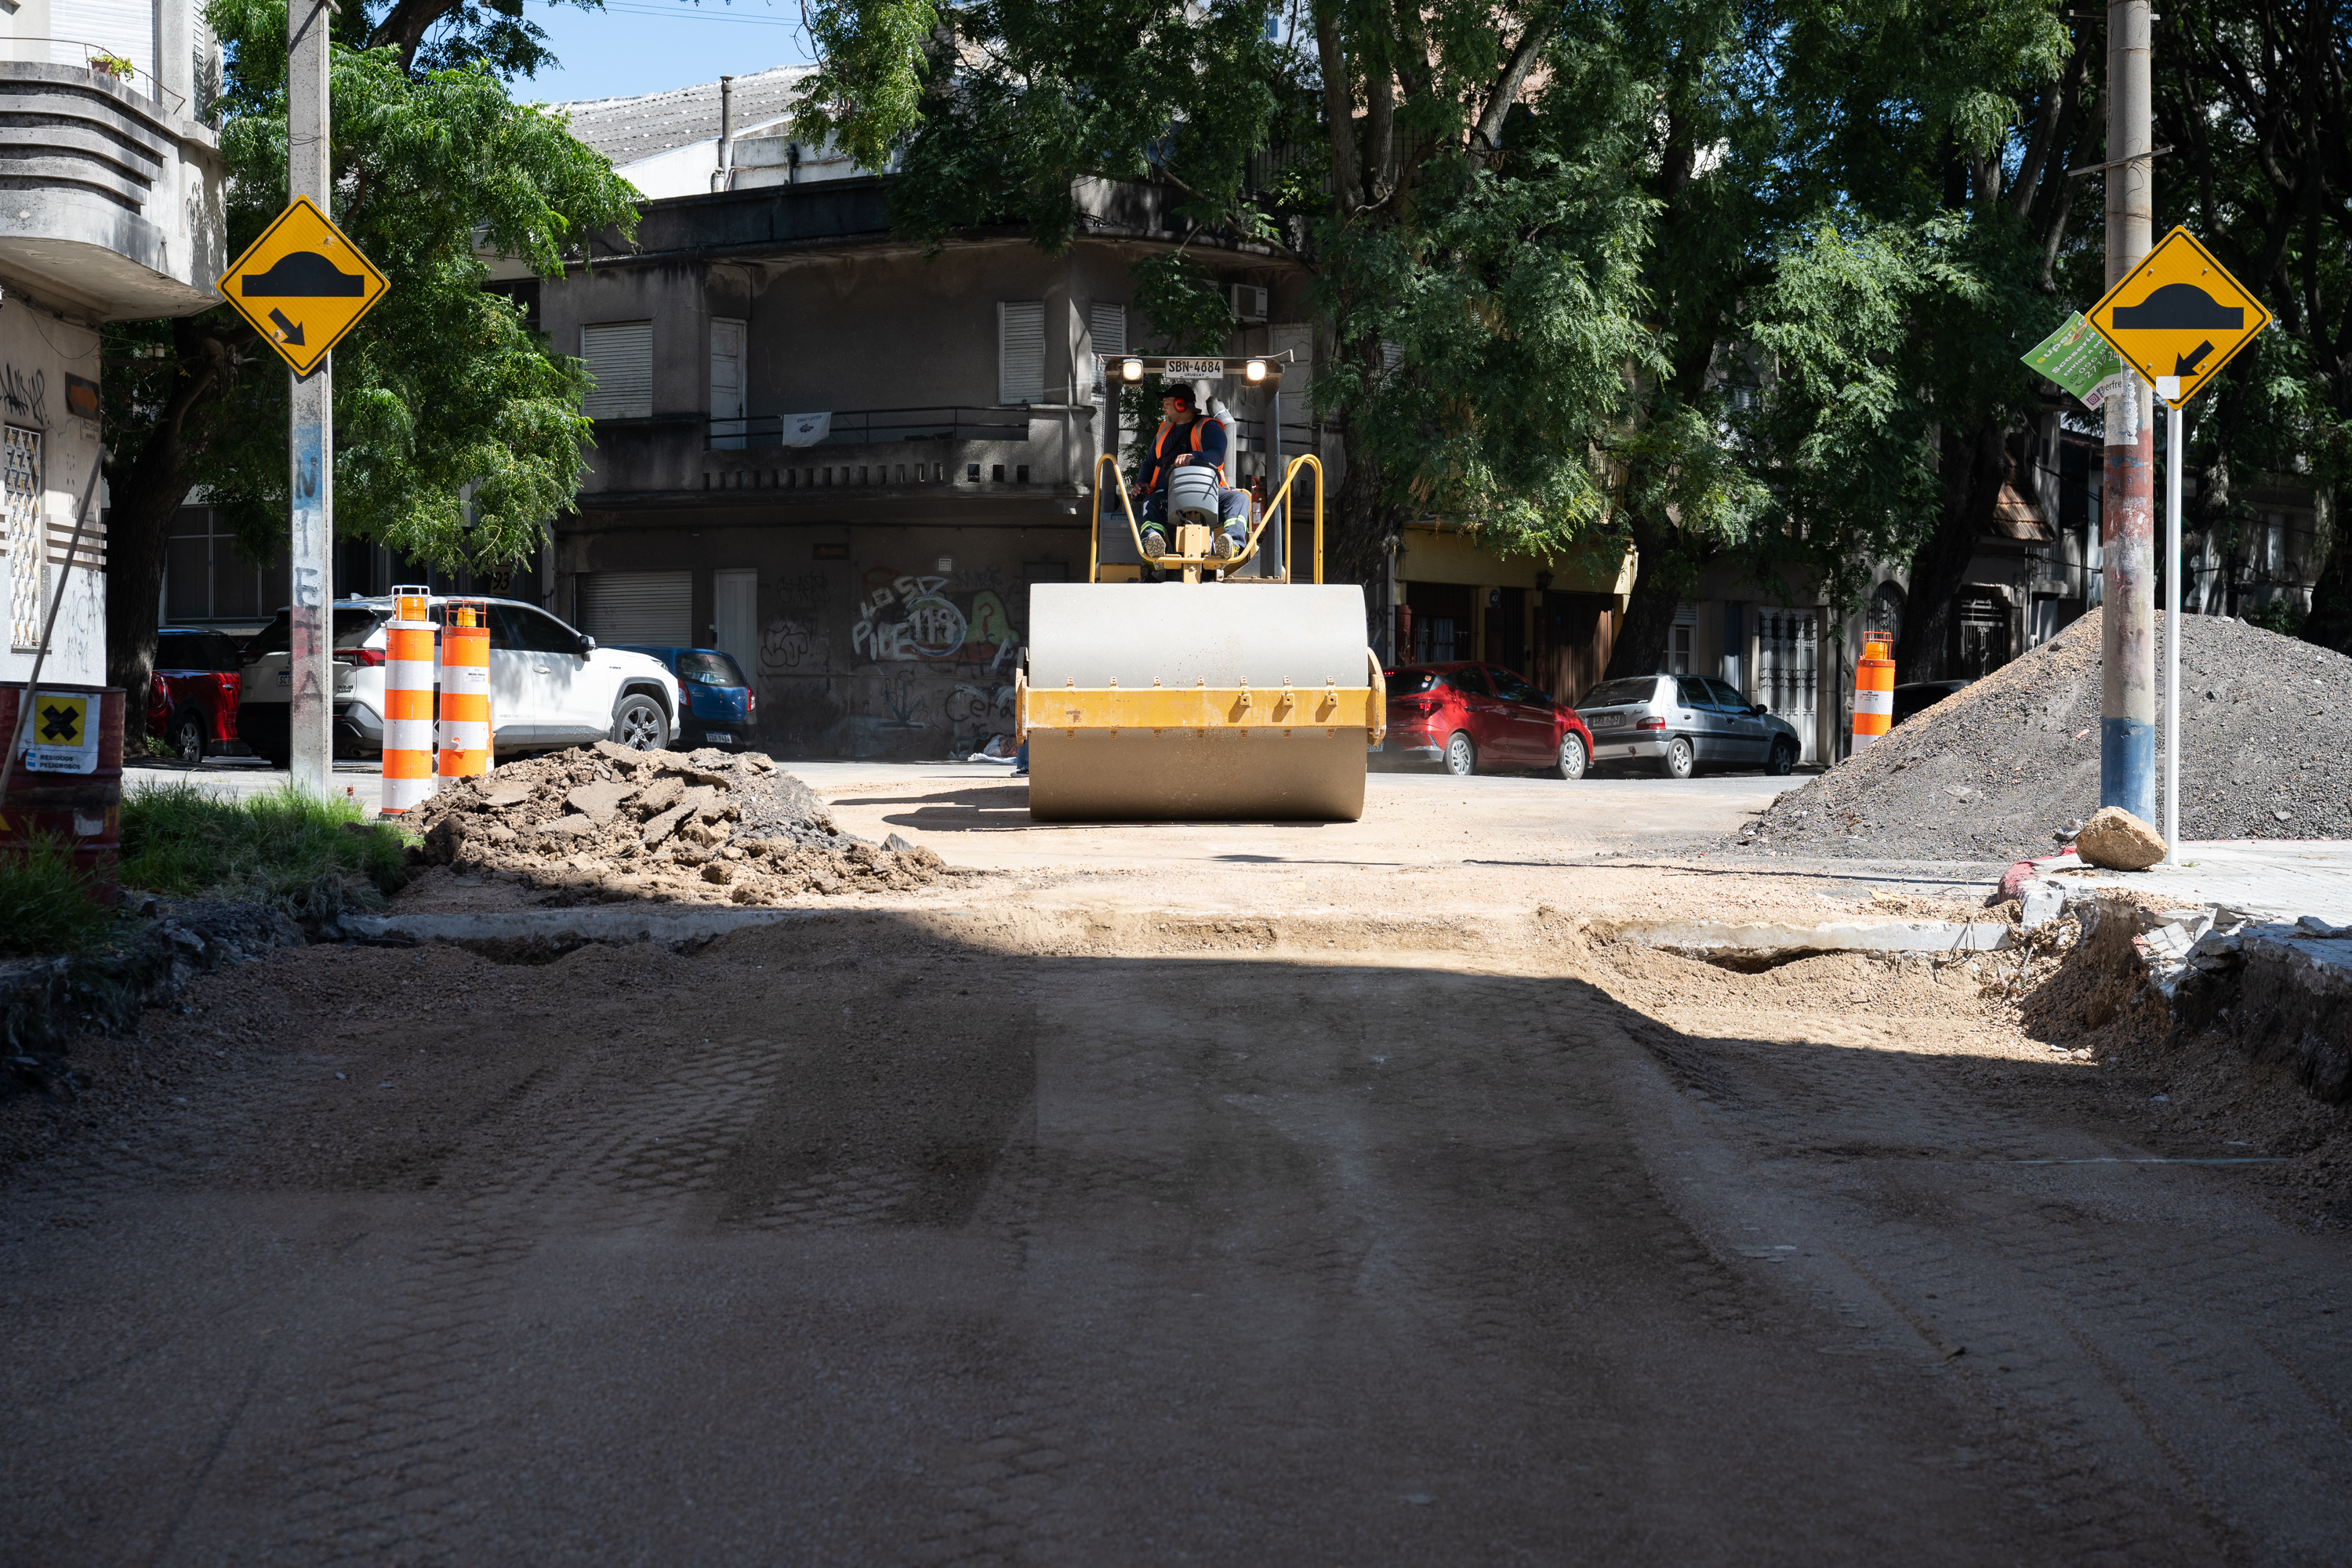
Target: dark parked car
720,703
1680,723
191,701
1922,694
1481,716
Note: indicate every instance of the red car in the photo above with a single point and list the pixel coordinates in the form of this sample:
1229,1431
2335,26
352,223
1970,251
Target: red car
192,703
1481,716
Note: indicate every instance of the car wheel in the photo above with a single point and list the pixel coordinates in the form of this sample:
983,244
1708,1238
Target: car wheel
1573,757
186,736
638,724
1680,761
1782,759
1461,754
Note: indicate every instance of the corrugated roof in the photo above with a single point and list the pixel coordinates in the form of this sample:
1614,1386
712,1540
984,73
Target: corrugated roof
627,128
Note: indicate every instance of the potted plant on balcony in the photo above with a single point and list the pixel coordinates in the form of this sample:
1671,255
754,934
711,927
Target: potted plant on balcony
115,66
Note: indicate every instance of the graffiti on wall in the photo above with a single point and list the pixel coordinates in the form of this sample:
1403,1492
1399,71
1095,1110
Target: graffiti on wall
26,397
929,663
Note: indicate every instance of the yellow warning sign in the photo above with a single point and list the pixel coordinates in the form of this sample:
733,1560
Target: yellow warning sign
303,285
2178,316
61,739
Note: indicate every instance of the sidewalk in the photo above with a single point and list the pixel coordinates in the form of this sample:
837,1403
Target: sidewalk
2269,879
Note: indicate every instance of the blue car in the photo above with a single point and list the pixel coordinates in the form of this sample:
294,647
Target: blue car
719,700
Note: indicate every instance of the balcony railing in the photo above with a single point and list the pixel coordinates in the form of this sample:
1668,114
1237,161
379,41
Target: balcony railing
874,426
100,60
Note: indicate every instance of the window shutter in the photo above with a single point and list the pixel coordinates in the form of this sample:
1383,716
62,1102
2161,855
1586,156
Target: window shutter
1020,351
620,355
656,608
1106,324
1298,371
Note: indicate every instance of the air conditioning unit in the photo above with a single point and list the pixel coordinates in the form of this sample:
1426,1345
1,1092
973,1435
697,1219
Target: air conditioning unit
1249,302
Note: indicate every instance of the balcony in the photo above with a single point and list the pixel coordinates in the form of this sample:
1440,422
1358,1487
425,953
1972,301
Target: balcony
113,199
872,427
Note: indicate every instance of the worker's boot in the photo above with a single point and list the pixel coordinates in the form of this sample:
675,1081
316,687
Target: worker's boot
1225,547
1154,541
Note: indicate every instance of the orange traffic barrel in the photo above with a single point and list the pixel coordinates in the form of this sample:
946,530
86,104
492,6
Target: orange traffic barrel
465,688
1874,694
67,785
408,701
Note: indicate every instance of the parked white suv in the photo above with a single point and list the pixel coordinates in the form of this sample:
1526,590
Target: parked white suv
550,685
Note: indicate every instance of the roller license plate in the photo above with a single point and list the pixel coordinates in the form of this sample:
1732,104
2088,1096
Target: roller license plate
1195,369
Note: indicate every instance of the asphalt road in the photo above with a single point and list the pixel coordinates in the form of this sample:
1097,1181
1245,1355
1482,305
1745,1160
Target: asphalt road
991,1238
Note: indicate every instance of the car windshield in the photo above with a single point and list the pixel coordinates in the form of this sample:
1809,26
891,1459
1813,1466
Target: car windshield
1621,693
195,650
710,670
1409,682
353,626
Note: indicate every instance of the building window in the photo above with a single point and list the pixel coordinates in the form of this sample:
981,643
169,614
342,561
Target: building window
620,356
2273,541
1020,351
726,426
24,536
1984,635
205,578
1106,324
1680,639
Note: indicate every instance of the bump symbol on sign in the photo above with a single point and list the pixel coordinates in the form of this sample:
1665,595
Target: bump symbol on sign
303,285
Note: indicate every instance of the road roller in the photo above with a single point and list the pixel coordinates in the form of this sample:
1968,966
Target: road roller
1199,683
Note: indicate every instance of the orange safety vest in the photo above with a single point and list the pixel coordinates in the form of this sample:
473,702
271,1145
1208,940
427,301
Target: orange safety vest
1160,449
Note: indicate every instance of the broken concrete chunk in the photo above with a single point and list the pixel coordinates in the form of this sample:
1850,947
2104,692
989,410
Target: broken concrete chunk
700,801
2118,841
621,756
719,871
756,762
899,843
661,826
659,797
574,827
598,802
506,795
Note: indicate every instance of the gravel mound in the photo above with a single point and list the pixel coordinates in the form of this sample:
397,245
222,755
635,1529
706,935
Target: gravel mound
708,824
1998,771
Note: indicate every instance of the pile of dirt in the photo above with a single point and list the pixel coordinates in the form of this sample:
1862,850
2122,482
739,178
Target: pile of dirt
707,825
2001,770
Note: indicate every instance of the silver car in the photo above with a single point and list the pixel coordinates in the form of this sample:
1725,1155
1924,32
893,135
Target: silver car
1684,722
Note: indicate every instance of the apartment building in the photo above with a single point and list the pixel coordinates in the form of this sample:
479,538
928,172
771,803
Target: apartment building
113,212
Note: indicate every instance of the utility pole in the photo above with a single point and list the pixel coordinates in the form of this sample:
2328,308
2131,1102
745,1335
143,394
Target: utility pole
310,706
2127,513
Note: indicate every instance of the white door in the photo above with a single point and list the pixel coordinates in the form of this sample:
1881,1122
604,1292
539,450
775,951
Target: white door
736,595
725,385
1788,647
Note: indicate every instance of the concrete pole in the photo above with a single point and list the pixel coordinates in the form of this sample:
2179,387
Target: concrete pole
2128,517
310,706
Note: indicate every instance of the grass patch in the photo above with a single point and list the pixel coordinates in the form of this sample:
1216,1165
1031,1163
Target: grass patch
177,839
45,905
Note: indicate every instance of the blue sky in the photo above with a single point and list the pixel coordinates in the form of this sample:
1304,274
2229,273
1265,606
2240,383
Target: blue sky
652,46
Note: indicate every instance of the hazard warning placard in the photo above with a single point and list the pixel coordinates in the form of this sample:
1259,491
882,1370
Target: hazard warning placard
63,735
303,285
2178,316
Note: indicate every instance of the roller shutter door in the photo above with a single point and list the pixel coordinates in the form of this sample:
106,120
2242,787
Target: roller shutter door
620,356
1020,351
655,608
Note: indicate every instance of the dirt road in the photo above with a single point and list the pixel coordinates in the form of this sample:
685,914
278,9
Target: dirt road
986,1230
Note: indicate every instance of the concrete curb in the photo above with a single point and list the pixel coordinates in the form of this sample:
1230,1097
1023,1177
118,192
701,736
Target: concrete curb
575,927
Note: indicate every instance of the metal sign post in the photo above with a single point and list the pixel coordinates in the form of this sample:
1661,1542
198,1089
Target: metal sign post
2171,623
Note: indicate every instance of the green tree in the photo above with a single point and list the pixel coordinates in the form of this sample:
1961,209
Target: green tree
2253,101
440,392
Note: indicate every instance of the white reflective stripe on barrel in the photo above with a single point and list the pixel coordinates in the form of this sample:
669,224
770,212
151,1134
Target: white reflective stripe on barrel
1865,701
399,794
408,674
408,735
465,735
466,679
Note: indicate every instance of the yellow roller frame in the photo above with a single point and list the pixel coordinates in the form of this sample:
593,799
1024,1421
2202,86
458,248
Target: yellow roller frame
1194,565
1111,708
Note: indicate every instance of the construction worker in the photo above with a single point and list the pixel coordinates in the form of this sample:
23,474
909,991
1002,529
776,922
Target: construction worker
1185,439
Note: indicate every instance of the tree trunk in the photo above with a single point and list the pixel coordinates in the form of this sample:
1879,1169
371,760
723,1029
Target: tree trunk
1975,464
1640,645
2330,621
146,496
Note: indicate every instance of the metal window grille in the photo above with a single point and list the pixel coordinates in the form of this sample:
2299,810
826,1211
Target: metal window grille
23,477
1788,671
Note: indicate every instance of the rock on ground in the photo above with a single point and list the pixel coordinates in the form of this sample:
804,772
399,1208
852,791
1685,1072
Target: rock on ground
1998,770
2119,841
605,821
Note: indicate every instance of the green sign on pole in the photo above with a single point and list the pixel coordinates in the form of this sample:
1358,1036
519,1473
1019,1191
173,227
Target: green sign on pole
2077,358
